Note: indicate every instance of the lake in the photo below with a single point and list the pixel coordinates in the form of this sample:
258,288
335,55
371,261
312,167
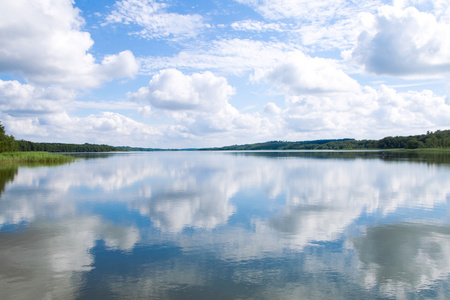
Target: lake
227,225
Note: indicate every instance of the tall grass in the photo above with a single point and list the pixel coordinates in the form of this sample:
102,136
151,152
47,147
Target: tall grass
34,158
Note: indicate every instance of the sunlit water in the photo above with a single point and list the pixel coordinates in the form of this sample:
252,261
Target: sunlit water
227,225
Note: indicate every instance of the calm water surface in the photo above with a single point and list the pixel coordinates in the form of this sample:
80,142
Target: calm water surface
227,225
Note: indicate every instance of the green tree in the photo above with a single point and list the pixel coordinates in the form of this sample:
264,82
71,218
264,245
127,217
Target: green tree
412,144
7,142
432,141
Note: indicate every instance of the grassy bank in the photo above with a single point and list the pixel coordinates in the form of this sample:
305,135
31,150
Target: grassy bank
33,158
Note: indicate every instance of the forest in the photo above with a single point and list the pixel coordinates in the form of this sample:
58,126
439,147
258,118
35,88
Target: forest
437,139
61,147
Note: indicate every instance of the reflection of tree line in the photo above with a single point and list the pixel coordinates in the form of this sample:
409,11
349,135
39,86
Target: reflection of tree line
89,155
429,157
7,174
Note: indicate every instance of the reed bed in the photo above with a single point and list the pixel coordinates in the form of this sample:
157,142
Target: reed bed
34,158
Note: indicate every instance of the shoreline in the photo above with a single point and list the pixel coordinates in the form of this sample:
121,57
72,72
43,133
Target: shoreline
30,157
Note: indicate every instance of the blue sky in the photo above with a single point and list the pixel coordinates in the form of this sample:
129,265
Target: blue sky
174,74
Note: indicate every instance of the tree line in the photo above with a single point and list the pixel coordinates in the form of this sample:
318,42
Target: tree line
7,142
61,147
437,139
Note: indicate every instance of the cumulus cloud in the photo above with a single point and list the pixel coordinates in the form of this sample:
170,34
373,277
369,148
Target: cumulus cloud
319,96
155,20
382,110
325,25
114,123
403,41
171,89
413,109
272,108
48,46
199,106
439,8
102,128
24,107
22,99
301,74
231,121
28,112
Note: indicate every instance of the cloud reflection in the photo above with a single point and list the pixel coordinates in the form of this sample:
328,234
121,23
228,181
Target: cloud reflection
406,255
40,262
301,202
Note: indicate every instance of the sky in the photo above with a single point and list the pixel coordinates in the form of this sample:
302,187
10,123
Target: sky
182,73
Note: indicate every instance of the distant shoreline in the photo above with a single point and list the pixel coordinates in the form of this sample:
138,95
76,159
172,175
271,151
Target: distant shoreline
431,141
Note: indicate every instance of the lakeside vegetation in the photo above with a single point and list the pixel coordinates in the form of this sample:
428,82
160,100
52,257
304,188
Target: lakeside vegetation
32,158
439,139
11,154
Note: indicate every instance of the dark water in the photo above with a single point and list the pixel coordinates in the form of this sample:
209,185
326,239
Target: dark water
214,225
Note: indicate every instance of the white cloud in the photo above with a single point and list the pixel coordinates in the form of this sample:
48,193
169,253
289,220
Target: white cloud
172,90
229,121
302,9
411,109
319,97
29,112
403,42
25,107
272,108
371,113
439,8
251,25
114,128
312,12
326,25
145,111
299,74
20,99
198,104
46,45
155,20
235,56
119,65
102,128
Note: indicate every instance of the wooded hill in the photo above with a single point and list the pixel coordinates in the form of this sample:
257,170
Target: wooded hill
437,139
